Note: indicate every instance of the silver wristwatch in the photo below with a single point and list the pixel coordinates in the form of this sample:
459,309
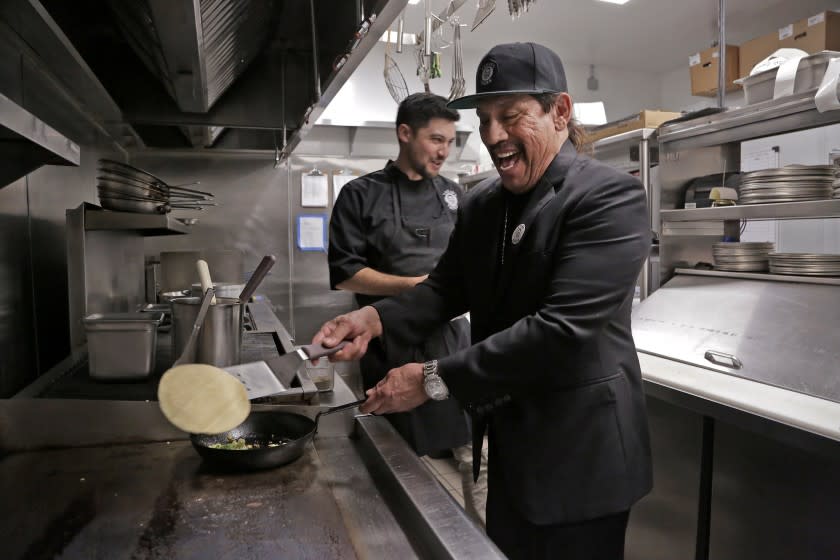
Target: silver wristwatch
433,383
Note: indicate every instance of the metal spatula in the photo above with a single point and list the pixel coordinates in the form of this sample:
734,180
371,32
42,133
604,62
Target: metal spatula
275,375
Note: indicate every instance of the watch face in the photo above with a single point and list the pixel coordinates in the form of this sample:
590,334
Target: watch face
435,387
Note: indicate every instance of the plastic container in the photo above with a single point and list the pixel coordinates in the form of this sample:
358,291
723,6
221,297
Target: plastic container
322,374
809,75
121,346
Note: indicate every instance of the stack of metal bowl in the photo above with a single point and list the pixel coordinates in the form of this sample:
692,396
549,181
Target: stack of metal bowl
792,183
805,264
836,184
742,256
126,188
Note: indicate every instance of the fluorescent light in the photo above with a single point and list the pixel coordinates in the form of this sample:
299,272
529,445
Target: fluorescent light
609,1
408,38
418,1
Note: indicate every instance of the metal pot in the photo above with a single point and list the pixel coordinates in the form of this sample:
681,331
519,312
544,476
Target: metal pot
220,340
223,289
167,297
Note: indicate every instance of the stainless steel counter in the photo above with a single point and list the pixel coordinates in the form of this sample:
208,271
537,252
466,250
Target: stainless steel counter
358,492
264,337
104,475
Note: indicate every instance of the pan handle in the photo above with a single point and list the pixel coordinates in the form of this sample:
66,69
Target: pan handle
336,409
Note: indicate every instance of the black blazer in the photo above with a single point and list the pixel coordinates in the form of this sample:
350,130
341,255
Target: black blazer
553,369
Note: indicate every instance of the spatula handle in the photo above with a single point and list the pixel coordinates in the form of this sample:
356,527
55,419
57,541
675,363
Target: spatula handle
262,269
315,351
204,277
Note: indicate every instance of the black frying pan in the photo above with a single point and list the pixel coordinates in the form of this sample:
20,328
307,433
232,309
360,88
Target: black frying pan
293,431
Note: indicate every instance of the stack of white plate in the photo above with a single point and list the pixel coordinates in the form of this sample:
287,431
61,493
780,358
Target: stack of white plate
742,257
793,183
805,264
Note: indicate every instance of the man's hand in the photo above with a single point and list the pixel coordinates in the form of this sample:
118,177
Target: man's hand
400,391
358,327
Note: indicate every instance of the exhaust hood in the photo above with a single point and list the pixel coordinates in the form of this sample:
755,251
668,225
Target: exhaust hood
27,143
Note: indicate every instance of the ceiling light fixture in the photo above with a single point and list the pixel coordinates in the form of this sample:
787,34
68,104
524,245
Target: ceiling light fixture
412,2
621,2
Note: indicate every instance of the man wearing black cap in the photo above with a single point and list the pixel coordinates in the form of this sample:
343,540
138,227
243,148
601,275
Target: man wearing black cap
546,259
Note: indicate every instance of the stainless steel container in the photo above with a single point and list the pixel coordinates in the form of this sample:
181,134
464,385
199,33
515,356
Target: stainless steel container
220,340
809,75
121,346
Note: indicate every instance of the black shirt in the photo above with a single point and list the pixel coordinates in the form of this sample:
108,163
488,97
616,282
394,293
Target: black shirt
362,221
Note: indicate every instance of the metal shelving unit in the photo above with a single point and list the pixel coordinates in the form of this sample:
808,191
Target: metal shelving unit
637,151
711,144
788,114
760,276
146,225
780,211
469,181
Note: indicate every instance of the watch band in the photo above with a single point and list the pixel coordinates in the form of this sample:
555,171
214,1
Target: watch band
430,368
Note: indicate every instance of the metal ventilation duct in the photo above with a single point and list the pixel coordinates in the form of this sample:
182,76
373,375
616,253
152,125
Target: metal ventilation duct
27,143
196,48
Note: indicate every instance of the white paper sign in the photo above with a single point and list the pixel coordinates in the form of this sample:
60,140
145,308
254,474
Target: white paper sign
312,233
785,32
313,191
694,59
817,19
338,183
760,159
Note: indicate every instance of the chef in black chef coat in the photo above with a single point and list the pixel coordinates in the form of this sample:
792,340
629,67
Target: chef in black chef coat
388,230
545,258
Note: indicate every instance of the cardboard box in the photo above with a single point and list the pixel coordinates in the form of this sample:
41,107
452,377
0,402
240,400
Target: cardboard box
645,119
703,68
814,34
755,50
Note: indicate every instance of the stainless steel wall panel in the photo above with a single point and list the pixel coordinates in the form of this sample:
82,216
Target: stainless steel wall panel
314,302
18,351
52,190
251,216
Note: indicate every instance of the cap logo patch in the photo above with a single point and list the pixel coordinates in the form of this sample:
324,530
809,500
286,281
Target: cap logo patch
487,72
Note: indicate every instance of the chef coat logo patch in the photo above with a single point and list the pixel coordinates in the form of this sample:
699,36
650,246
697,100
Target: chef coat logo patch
517,234
487,72
451,199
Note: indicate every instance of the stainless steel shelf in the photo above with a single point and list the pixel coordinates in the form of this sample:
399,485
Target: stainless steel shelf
147,225
785,210
28,143
788,114
631,137
760,276
472,180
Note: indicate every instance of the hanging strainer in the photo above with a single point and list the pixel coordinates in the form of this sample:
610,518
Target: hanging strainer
394,80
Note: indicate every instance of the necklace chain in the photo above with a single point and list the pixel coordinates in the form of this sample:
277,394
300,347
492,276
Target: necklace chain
504,234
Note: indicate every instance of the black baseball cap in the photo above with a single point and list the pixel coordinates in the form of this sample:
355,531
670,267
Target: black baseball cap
513,68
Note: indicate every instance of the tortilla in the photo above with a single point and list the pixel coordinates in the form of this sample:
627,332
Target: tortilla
202,399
